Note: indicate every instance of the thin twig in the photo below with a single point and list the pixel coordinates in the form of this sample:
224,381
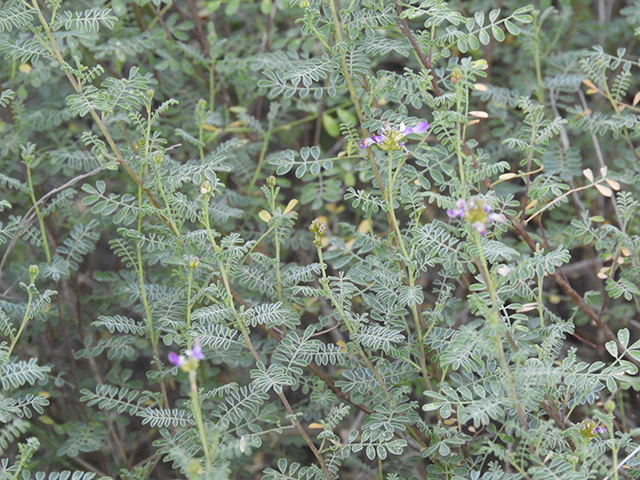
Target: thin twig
29,216
426,62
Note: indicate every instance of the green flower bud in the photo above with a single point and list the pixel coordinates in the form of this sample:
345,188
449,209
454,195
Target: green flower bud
456,75
271,181
33,273
609,405
194,263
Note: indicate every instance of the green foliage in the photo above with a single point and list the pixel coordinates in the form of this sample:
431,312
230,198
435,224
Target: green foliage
466,299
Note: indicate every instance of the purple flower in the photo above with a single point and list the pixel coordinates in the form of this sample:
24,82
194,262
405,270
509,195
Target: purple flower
390,137
477,212
188,361
177,360
459,211
600,429
196,352
588,429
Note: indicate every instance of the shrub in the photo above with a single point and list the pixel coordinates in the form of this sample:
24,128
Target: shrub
319,240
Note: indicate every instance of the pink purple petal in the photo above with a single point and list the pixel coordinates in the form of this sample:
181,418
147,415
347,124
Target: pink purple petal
174,358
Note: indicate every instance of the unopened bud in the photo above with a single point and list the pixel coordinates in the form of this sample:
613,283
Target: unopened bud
205,188
158,158
456,75
33,273
193,263
271,181
609,405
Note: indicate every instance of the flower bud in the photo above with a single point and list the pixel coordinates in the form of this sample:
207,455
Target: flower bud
271,181
158,158
609,405
456,75
194,263
205,188
33,273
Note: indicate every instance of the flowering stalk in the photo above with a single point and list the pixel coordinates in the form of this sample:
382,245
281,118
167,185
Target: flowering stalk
189,363
390,139
240,323
494,321
410,270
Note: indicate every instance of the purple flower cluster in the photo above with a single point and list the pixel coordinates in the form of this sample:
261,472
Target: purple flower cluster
477,212
390,138
190,359
589,429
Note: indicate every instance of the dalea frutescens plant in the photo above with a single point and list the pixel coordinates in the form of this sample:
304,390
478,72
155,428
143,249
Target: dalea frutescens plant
320,239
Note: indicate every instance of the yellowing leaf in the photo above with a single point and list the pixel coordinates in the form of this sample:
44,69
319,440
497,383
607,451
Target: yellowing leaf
591,91
46,419
507,176
589,83
315,426
473,122
555,299
605,191
527,307
480,87
636,99
603,171
479,114
613,184
264,216
481,64
290,206
25,68
365,226
342,345
588,174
